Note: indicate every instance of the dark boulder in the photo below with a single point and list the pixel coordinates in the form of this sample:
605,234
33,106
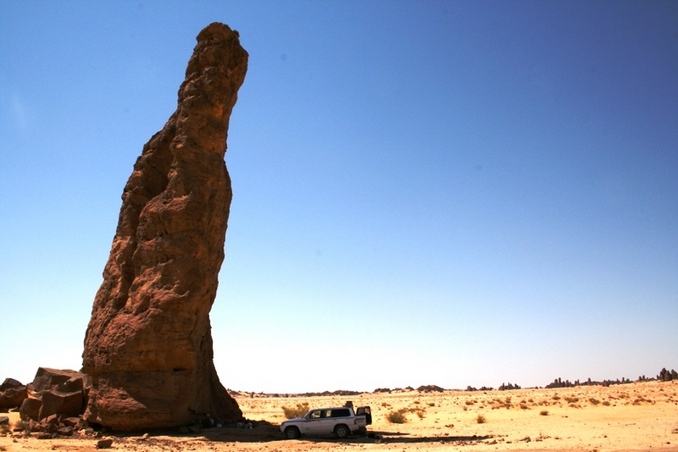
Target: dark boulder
55,392
12,394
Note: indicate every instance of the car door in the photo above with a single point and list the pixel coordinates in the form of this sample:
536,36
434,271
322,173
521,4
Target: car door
317,422
310,422
326,422
365,411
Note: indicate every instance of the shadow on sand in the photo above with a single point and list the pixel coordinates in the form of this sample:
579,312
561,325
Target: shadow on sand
271,433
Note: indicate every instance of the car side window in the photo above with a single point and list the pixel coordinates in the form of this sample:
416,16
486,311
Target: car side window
315,414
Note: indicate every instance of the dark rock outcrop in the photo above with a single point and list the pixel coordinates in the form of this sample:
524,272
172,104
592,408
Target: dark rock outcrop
665,375
148,346
430,388
12,394
55,392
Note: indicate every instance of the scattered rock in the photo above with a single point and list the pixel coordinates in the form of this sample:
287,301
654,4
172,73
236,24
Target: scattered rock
65,431
52,419
104,443
49,428
34,426
148,345
73,422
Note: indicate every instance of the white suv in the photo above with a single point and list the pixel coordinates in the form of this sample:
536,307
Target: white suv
342,421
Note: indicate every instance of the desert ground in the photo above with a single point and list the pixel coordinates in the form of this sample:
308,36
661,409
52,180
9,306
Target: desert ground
640,416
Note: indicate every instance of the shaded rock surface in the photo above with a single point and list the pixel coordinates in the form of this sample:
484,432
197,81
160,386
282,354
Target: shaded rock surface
12,394
148,346
55,392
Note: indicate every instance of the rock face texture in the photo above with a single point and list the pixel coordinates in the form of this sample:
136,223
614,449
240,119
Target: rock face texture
55,392
12,394
148,346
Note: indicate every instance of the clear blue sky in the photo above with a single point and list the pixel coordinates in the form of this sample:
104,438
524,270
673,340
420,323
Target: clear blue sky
451,193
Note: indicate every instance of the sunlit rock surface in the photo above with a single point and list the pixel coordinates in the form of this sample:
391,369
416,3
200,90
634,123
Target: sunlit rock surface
148,346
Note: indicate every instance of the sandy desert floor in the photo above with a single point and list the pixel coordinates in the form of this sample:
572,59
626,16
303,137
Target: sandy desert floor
629,417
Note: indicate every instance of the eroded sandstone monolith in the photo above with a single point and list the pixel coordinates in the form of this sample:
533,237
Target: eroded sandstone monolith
148,346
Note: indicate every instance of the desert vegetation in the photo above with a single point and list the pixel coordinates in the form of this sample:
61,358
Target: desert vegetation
400,416
296,411
397,417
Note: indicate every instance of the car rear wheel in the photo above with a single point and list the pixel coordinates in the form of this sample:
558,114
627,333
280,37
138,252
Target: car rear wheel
342,431
292,433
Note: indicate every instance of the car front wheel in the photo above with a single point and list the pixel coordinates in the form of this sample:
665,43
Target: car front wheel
292,433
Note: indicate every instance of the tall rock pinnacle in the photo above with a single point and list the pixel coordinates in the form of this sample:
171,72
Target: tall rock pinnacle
148,346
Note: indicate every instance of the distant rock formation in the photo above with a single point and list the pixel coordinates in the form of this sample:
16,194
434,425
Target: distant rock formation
430,388
665,375
148,346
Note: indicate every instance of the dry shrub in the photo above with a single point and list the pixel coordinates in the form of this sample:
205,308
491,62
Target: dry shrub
543,413
556,397
397,417
499,403
606,403
298,411
523,406
480,419
594,401
571,399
